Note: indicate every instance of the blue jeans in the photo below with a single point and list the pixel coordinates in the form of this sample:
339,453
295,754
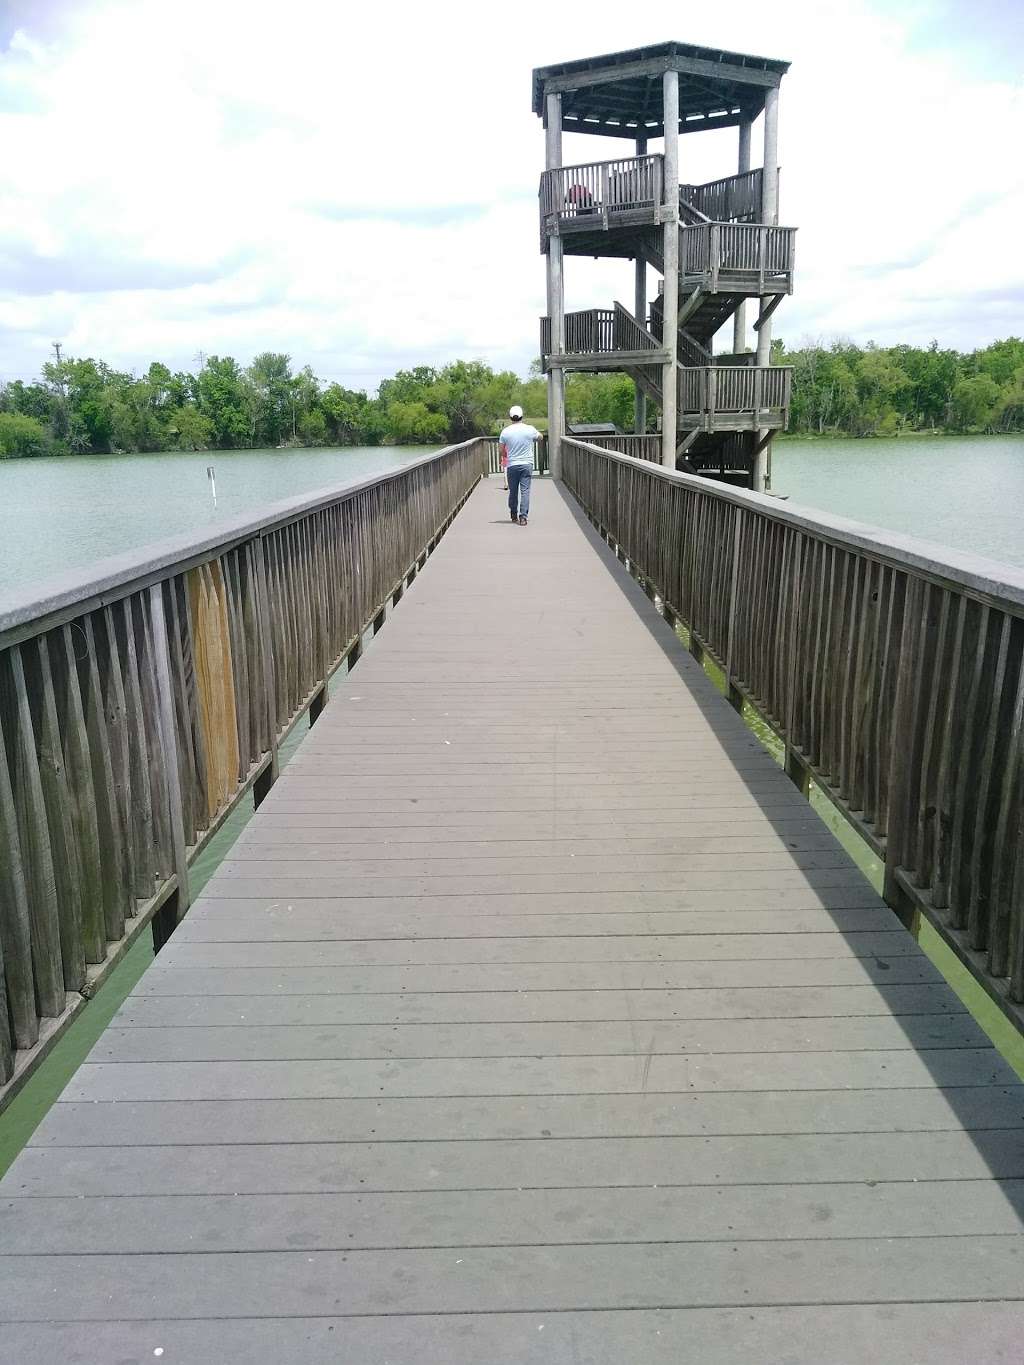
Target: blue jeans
519,476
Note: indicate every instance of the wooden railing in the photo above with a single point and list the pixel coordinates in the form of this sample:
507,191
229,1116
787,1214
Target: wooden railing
590,331
138,707
628,334
592,193
641,447
748,255
599,331
540,456
731,199
893,670
754,389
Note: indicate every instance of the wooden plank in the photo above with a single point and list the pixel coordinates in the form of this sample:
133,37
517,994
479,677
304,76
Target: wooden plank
643,1006
527,1279
846,1334
726,973
513,1164
549,1076
170,1123
332,1222
312,1042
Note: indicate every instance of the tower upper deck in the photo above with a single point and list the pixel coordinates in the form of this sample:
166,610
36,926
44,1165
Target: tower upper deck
620,94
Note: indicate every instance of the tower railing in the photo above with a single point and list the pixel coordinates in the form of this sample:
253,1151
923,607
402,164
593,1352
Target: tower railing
714,390
746,255
732,198
594,192
599,331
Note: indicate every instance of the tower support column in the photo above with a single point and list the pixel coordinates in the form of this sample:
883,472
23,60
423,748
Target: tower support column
769,215
555,294
739,322
670,220
640,313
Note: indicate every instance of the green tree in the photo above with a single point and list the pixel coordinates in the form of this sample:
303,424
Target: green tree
21,436
975,402
270,378
189,429
223,399
414,423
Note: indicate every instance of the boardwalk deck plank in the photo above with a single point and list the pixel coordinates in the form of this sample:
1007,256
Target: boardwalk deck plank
533,1018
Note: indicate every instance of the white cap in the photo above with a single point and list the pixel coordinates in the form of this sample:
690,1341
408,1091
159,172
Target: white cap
515,410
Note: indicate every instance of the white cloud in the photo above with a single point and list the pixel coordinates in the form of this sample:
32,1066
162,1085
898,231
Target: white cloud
356,185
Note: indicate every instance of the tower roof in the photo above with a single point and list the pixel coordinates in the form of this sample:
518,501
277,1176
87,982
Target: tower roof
620,93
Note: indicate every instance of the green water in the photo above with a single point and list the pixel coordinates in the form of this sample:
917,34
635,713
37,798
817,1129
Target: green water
67,513
962,491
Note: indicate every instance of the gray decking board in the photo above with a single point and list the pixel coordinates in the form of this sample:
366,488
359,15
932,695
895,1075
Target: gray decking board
533,1018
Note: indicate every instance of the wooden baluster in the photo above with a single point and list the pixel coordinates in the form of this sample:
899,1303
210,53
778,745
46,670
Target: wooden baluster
7,1044
84,796
1008,823
174,911
58,807
36,855
139,623
15,920
140,808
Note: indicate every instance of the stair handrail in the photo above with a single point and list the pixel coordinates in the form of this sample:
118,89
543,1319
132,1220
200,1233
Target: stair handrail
627,328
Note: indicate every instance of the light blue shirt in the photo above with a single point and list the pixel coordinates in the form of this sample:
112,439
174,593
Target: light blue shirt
518,439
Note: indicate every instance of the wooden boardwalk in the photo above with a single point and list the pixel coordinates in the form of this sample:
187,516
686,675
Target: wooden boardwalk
534,1018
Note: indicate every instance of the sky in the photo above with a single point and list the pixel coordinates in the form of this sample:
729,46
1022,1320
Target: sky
356,184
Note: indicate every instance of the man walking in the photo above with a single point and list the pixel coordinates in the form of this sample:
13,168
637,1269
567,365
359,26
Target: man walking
516,444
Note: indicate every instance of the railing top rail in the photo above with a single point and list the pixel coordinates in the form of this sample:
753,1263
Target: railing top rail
741,227
989,580
605,161
741,369
24,614
722,180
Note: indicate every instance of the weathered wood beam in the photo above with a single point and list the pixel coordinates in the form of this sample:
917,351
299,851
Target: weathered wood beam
657,66
687,441
606,360
697,125
768,310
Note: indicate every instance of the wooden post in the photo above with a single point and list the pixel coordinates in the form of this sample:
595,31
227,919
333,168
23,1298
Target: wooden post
556,292
739,323
172,912
640,313
770,216
670,251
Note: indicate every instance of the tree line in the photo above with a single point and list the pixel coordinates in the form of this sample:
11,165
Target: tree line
84,406
848,390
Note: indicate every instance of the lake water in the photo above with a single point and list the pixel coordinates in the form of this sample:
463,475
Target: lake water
65,513
963,491
58,514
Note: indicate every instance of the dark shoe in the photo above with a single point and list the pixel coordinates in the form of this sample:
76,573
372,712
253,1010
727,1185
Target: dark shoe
514,517
522,521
